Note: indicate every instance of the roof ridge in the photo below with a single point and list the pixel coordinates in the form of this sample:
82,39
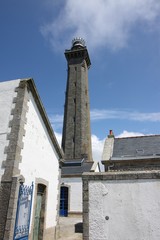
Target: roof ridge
143,136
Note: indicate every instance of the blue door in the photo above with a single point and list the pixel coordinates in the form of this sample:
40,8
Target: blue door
64,201
24,205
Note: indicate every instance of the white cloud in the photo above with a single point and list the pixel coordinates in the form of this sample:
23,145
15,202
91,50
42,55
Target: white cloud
97,147
56,121
101,22
124,115
98,115
57,118
129,134
58,137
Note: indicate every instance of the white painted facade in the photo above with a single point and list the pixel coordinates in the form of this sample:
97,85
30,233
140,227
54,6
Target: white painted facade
7,94
132,208
39,160
40,153
75,193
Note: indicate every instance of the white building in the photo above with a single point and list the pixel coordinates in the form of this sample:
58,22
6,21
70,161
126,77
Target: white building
29,155
124,202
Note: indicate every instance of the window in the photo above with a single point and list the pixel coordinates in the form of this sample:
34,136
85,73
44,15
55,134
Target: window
63,201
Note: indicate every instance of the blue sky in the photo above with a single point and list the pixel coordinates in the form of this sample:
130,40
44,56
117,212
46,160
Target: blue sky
123,40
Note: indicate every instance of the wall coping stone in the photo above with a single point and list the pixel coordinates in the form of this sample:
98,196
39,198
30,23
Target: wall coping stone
125,175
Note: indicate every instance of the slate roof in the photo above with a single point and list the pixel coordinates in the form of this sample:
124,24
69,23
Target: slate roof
136,147
76,170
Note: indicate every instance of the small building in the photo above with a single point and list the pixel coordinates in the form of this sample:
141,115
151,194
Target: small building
131,153
123,203
29,164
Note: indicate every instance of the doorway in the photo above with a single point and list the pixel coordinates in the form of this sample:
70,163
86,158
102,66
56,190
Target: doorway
64,201
39,212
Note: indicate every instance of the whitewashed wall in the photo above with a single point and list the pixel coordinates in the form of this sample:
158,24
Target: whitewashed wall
75,193
7,93
133,208
39,159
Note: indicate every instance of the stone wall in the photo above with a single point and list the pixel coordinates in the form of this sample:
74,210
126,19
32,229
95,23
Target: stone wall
7,104
12,123
76,141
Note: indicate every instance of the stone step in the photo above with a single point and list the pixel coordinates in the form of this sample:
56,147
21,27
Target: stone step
76,236
70,228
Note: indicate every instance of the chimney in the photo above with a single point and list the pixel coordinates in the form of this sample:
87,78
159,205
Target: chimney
108,147
111,134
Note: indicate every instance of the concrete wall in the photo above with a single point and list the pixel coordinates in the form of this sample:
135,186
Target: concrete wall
75,193
40,162
122,206
7,95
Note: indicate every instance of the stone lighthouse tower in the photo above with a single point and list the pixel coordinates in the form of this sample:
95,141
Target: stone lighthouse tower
76,141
